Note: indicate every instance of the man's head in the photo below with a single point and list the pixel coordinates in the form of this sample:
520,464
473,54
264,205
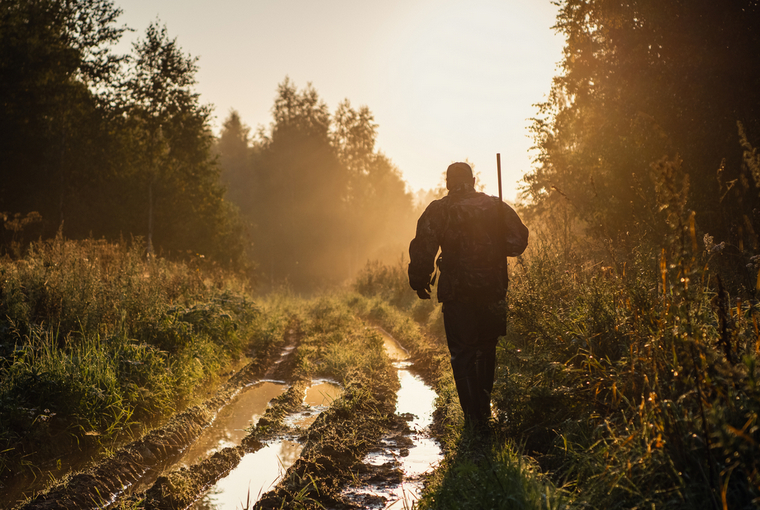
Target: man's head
459,173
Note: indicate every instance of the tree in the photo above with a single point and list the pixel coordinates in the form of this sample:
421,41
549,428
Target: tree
87,134
173,162
160,94
645,80
378,207
55,70
234,148
298,190
320,198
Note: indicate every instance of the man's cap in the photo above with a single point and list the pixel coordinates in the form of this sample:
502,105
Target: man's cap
458,173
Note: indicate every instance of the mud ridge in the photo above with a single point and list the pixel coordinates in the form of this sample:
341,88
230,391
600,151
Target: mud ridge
363,421
335,445
180,488
106,481
388,474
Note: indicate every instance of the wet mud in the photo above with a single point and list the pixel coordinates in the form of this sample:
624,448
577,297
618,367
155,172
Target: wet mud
376,457
261,469
184,487
392,475
256,474
111,478
334,447
369,447
180,488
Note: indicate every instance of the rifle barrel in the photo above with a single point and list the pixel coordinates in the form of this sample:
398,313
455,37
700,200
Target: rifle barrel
498,172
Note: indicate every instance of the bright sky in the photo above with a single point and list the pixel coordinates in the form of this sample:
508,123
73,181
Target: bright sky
447,80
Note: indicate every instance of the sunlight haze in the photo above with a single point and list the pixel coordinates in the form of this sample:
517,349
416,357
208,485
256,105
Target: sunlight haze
446,81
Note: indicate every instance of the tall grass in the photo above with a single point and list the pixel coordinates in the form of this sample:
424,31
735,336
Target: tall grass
631,378
634,380
637,394
93,337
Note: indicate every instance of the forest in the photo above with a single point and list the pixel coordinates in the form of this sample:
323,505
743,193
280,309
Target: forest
107,146
152,271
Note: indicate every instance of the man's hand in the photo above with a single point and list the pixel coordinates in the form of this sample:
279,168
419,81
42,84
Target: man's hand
424,293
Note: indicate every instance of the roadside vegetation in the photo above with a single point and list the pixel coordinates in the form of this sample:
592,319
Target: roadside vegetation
629,369
620,384
634,384
95,338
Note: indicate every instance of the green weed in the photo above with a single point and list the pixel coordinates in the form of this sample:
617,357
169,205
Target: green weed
93,337
478,475
633,380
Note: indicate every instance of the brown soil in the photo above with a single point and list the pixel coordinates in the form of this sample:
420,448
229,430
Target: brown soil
181,487
108,479
335,445
334,448
338,442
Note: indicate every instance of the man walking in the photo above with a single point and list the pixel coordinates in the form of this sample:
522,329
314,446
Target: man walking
476,233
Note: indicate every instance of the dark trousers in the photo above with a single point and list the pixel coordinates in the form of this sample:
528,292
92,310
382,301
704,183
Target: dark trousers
472,331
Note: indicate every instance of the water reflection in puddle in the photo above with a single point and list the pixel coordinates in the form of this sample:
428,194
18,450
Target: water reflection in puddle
256,474
322,393
318,397
393,349
260,471
229,427
416,400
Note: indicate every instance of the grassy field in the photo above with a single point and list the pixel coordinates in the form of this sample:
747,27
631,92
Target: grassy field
95,338
620,384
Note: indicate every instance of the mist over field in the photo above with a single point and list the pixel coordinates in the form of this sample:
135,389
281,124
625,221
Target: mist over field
321,199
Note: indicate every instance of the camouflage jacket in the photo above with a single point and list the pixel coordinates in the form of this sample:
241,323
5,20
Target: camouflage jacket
476,233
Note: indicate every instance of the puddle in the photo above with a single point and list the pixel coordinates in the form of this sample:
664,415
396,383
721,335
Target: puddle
227,429
393,349
256,474
417,398
25,484
322,393
260,471
416,454
229,426
319,396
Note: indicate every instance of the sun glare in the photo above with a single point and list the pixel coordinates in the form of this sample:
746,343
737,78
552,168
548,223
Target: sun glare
446,81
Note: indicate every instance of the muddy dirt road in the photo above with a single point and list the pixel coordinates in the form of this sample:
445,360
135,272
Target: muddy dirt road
341,424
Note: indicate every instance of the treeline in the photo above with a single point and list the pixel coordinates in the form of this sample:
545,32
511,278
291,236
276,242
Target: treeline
105,145
654,116
96,144
630,364
319,198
